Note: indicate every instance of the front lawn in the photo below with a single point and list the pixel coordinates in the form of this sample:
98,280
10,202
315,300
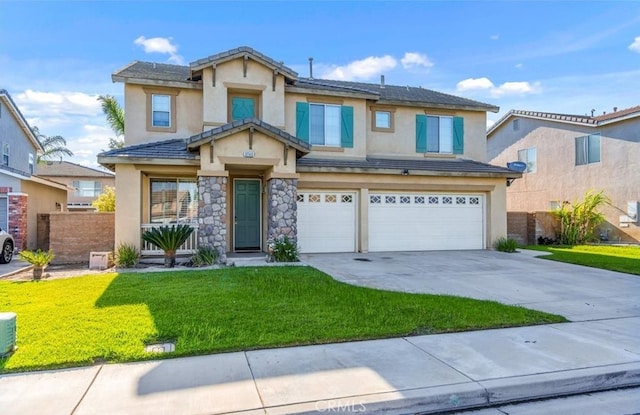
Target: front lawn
110,317
614,258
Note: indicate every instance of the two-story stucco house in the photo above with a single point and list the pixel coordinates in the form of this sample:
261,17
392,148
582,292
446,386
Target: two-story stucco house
566,156
23,194
246,150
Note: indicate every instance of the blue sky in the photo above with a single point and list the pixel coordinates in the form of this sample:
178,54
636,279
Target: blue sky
570,57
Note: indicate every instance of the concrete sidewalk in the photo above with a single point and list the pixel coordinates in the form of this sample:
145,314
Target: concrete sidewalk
402,375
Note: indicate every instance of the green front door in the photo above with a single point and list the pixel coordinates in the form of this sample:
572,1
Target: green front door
247,214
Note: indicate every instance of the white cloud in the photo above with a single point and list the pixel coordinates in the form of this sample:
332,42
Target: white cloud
412,60
507,88
635,46
472,84
363,69
160,45
515,88
494,37
518,66
40,104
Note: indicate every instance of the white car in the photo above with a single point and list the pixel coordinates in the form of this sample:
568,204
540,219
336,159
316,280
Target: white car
7,244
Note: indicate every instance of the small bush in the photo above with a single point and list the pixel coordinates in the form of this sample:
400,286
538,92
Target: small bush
505,244
37,258
283,249
127,256
579,220
205,255
106,202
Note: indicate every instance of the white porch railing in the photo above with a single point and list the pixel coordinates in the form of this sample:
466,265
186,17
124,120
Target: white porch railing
189,247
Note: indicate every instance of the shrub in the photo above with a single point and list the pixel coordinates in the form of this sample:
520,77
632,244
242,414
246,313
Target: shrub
283,249
505,244
579,220
39,259
127,256
205,255
106,202
169,239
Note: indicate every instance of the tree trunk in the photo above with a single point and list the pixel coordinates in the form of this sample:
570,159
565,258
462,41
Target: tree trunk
37,273
169,259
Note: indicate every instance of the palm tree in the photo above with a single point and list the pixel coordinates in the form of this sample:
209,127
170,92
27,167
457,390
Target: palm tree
169,239
54,147
115,118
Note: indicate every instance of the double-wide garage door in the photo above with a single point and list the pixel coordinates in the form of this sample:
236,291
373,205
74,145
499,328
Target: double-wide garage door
327,221
425,222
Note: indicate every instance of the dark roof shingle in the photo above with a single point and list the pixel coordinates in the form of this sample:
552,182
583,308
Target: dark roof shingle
168,149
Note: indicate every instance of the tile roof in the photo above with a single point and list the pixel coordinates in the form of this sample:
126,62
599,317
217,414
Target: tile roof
239,52
373,163
585,120
391,93
394,93
168,149
239,125
68,169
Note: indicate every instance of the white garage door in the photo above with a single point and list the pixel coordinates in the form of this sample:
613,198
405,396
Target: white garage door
326,221
425,222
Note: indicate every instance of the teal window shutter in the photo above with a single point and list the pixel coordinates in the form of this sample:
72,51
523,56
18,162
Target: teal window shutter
346,133
458,135
242,108
302,121
421,133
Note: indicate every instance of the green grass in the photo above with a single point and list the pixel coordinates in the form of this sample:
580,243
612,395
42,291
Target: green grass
110,317
614,258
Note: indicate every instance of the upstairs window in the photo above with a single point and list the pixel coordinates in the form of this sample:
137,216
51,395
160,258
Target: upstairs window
87,188
161,111
324,124
382,119
529,156
516,124
5,154
439,134
31,158
588,149
243,107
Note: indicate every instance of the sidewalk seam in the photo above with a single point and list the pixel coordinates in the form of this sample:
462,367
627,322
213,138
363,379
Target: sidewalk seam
255,384
75,408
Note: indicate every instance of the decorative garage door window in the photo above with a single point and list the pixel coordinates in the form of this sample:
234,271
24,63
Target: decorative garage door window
391,199
324,198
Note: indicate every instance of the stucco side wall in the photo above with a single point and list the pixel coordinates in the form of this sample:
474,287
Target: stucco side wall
557,178
128,205
360,127
229,79
402,141
188,112
71,196
494,190
41,199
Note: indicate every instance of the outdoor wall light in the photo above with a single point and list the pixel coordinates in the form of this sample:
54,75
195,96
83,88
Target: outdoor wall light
405,172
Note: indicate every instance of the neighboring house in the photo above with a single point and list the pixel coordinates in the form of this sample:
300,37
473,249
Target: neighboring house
85,183
566,156
23,194
243,148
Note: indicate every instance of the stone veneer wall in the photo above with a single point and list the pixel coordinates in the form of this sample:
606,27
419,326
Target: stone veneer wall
18,219
212,214
282,214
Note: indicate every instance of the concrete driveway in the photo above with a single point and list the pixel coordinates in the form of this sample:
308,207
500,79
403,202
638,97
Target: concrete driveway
576,292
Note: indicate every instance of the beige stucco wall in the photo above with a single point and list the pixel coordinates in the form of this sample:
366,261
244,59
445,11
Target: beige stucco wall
494,190
360,126
128,204
558,178
229,77
41,199
188,114
402,141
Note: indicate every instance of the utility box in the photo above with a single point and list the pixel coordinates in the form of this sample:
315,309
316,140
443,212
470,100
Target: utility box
100,260
7,333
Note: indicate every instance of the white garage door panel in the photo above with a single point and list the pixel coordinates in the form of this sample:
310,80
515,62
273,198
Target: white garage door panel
326,222
421,222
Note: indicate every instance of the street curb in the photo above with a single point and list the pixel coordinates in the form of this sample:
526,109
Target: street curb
475,395
17,271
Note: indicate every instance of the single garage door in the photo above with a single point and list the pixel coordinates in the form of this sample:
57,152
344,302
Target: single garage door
326,221
425,222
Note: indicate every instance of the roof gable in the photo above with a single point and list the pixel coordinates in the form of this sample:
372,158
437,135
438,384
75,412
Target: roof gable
68,169
15,112
244,52
248,124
